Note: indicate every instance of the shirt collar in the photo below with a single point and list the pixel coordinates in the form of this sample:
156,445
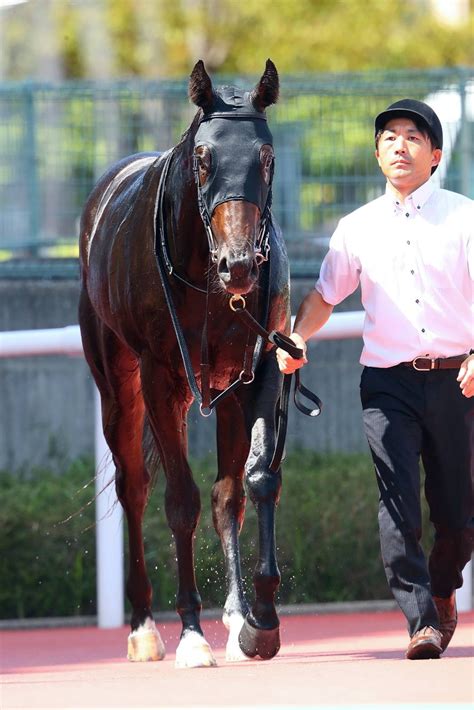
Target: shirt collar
418,198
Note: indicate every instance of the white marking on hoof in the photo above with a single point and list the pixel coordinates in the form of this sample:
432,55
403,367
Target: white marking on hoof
145,644
233,624
194,652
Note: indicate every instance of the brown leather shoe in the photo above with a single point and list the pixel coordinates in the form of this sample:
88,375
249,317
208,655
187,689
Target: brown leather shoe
425,643
448,617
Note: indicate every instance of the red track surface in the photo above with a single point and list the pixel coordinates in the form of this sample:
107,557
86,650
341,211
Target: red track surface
343,660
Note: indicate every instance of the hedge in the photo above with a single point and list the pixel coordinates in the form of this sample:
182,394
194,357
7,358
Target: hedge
327,538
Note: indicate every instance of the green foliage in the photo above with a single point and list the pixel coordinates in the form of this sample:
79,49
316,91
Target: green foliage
47,568
327,538
111,38
328,543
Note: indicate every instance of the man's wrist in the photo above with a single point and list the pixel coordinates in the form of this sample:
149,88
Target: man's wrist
297,338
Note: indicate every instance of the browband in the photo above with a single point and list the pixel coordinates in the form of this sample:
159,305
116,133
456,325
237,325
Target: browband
233,114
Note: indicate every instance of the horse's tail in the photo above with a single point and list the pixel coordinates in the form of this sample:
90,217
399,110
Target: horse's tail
151,454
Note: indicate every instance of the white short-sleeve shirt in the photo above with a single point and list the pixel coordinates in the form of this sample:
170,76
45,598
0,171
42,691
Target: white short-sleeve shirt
414,262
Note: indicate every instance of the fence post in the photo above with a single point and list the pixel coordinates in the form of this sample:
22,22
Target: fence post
31,156
109,534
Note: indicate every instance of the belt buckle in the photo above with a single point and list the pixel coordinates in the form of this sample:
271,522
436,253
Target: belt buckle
423,369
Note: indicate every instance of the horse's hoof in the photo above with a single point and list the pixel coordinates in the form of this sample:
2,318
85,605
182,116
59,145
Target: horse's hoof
194,652
233,624
145,644
259,642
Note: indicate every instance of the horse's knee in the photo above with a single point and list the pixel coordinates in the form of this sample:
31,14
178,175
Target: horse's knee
182,506
263,485
228,504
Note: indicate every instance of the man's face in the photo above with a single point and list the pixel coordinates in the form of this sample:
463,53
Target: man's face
405,155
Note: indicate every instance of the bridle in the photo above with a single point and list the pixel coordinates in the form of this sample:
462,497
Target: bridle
262,243
244,128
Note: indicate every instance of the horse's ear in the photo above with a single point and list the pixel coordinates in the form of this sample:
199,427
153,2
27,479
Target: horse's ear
266,92
200,87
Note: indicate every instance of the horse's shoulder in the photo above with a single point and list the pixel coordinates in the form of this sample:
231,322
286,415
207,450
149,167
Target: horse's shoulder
117,175
130,164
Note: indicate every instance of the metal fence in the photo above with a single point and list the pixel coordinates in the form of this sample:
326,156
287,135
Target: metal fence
55,141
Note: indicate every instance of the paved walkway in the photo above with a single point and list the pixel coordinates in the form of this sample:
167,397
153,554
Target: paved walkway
336,661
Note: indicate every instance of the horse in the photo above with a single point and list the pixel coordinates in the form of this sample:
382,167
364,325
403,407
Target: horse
173,247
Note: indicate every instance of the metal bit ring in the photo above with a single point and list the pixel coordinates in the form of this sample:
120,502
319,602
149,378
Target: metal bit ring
235,300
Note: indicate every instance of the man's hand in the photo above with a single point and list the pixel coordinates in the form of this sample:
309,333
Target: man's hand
466,377
288,364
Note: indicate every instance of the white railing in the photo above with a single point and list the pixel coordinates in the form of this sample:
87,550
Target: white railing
109,524
108,512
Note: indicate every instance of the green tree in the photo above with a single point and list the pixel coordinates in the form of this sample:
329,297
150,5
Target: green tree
116,38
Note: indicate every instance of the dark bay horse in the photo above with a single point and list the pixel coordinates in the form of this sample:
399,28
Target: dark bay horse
172,246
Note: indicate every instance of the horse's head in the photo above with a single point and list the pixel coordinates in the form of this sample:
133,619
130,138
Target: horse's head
233,156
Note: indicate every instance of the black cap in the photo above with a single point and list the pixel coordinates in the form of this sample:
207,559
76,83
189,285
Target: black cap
416,110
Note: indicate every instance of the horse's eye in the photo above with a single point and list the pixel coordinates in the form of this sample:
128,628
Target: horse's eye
266,161
203,157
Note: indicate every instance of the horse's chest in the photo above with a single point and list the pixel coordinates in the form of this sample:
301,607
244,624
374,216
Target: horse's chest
227,348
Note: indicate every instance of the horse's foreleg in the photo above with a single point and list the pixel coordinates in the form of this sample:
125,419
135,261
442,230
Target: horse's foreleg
182,504
228,507
260,634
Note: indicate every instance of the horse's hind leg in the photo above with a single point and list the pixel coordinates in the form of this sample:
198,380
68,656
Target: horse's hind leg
117,376
228,507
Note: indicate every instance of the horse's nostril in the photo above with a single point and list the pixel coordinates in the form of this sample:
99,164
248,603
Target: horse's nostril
238,271
223,269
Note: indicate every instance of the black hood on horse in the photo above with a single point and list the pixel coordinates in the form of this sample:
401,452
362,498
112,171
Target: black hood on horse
234,131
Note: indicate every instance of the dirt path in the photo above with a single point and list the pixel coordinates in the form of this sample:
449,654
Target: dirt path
340,661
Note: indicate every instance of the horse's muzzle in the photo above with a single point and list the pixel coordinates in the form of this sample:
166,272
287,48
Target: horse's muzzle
238,273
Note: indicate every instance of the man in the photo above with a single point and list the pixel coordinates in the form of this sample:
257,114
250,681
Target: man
412,253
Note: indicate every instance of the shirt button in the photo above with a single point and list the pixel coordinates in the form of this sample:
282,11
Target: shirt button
418,207
407,214
412,272
422,330
417,300
408,241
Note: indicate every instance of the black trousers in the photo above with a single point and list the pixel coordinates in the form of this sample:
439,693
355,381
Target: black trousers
408,415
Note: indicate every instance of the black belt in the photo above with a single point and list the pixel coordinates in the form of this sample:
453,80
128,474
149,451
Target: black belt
423,364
